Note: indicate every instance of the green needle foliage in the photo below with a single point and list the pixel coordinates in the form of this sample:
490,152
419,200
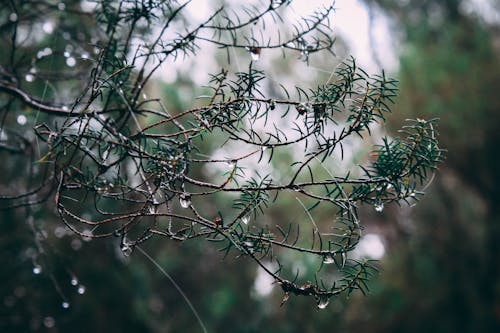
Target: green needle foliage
117,163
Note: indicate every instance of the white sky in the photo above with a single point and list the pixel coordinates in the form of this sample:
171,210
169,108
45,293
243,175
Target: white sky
351,23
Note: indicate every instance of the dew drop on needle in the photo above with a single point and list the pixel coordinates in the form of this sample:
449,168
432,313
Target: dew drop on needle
81,289
323,301
126,250
328,259
37,269
379,207
245,218
185,200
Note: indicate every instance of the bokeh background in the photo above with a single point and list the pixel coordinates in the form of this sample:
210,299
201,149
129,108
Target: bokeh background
438,260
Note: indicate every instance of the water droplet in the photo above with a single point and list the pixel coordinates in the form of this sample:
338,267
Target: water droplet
275,5
74,281
185,200
65,305
85,55
49,322
379,207
67,54
344,258
254,53
126,250
250,246
263,149
37,269
328,259
22,120
61,6
29,77
231,164
155,204
286,297
65,108
272,105
71,62
81,289
245,218
13,17
323,301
